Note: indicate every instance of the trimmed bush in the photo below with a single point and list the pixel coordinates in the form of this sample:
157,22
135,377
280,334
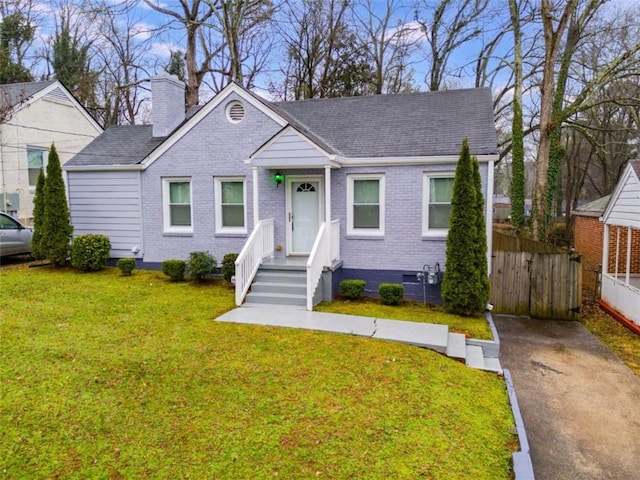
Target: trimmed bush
352,289
391,293
174,269
229,266
126,265
200,265
90,252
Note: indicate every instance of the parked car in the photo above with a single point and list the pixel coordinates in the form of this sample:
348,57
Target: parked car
15,238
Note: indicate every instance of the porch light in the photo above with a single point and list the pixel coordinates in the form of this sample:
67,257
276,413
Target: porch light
279,178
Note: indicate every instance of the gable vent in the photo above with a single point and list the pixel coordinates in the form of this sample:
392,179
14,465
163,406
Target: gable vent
235,112
57,94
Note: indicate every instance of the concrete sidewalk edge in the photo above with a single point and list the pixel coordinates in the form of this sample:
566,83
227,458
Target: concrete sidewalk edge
522,465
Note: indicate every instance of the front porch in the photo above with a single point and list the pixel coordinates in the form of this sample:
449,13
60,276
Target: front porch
620,289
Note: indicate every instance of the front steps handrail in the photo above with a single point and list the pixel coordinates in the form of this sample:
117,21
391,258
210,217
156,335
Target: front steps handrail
260,245
326,249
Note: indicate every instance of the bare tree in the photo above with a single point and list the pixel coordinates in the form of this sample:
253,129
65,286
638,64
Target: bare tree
239,24
389,43
191,15
122,47
447,26
553,34
323,57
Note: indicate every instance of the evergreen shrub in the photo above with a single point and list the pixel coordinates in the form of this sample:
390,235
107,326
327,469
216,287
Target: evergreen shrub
174,269
90,252
200,265
353,289
56,225
229,266
126,265
391,293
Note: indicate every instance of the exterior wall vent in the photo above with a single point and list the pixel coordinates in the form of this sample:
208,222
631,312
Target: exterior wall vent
235,111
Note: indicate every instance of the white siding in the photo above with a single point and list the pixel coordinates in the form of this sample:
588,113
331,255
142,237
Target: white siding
290,148
626,207
107,203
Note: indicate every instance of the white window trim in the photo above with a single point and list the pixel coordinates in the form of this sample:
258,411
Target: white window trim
166,211
426,183
367,232
218,205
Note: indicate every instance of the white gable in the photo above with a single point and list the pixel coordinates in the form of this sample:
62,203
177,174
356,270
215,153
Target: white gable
289,148
624,206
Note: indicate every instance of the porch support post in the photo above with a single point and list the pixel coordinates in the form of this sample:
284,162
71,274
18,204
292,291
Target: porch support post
628,256
605,250
256,196
327,195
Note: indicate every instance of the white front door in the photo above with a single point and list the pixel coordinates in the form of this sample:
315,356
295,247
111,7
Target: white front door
304,211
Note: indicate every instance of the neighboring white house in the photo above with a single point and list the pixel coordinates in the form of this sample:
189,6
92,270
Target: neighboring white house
621,252
33,116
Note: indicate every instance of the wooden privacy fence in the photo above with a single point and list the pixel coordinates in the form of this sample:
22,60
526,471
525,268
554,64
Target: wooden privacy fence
542,285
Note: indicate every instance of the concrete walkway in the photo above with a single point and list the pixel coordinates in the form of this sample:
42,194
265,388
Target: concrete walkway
580,403
427,335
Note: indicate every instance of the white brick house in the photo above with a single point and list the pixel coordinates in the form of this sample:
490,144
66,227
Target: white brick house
33,116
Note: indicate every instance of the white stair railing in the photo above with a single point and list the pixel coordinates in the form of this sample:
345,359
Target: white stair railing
260,245
326,249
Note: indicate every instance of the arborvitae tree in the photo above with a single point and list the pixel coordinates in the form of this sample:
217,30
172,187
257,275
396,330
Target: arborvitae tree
480,253
38,218
462,288
57,229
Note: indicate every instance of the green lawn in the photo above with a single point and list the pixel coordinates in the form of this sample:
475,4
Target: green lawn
129,377
411,311
619,339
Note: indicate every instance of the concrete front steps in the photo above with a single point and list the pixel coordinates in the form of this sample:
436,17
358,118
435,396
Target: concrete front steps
479,354
279,285
474,356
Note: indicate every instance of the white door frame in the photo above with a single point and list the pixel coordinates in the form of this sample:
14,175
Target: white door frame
289,207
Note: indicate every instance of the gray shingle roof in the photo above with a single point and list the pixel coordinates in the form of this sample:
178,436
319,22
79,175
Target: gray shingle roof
593,209
118,145
14,93
410,124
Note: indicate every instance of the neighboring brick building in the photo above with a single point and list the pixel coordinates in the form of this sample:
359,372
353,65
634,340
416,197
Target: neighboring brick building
588,237
588,232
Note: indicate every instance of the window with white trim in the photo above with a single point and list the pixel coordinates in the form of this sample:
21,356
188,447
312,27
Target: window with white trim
231,199
177,212
365,204
436,208
36,163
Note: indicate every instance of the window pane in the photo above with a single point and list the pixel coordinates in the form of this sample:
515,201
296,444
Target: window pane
35,163
34,173
366,216
232,192
366,191
35,158
233,215
179,193
180,215
441,190
439,215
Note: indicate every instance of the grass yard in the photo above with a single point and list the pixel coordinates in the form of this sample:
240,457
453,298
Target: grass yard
619,339
115,377
411,311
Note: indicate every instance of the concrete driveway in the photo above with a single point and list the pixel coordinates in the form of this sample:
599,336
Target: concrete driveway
580,403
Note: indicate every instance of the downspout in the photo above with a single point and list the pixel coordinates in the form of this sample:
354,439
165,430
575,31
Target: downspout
489,214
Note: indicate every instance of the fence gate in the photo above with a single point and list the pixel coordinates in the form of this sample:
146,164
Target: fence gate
542,285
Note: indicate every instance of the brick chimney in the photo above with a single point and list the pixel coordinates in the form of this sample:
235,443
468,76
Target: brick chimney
168,104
